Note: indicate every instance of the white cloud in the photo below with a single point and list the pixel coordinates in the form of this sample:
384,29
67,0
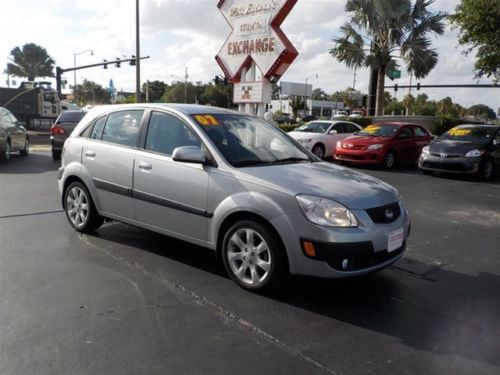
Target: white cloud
179,33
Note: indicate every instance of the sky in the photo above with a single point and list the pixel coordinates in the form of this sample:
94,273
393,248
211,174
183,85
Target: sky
189,33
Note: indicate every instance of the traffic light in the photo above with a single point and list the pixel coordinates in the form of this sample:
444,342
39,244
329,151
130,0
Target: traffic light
117,64
395,87
132,62
418,85
105,66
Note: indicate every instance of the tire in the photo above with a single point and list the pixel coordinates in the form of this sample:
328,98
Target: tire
26,150
253,257
389,160
80,208
318,150
486,170
56,154
5,155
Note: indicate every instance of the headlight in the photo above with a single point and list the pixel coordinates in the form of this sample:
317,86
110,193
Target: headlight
339,144
474,153
326,212
305,140
425,150
375,147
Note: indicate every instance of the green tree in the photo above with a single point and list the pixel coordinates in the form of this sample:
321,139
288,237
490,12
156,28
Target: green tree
297,103
378,30
217,95
156,90
319,94
89,92
478,22
31,61
408,102
175,93
482,112
446,108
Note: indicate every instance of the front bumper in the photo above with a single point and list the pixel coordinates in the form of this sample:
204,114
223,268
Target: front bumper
365,247
461,164
359,156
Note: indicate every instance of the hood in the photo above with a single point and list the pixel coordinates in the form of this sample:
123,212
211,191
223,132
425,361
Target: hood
458,148
303,135
364,140
352,189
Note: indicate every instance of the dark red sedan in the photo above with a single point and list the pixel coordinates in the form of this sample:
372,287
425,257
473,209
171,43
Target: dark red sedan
384,143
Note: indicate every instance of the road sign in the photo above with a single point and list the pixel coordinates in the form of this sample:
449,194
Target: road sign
394,74
256,36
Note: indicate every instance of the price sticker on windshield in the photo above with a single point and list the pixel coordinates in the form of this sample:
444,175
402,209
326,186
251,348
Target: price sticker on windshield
206,120
371,129
460,132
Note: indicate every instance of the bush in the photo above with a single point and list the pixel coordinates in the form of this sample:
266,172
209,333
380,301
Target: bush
443,124
287,127
361,121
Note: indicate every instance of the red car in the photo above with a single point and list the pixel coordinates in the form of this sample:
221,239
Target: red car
384,143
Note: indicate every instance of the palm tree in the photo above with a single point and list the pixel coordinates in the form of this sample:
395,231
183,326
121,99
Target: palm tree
31,61
408,101
380,31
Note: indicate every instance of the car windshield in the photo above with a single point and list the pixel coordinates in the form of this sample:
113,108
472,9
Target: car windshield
313,127
378,130
249,141
478,134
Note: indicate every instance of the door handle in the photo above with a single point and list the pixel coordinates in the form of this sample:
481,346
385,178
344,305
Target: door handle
90,154
145,166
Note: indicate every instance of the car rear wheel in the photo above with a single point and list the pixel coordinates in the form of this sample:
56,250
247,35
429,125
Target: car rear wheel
253,256
5,156
26,150
56,154
318,150
80,209
390,159
486,171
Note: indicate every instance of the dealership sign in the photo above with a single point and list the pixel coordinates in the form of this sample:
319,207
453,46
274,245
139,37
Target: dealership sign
256,36
252,92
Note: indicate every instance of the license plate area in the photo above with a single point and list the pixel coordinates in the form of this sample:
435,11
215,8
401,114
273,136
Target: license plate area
395,239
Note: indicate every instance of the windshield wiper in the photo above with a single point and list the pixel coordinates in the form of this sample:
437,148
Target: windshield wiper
247,163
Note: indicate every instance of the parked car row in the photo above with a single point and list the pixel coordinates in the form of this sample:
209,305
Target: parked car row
466,149
13,135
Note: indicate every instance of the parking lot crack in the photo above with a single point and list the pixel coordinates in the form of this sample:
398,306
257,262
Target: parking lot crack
31,214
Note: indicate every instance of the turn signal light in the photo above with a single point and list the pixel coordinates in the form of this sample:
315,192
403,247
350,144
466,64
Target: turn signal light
309,249
57,130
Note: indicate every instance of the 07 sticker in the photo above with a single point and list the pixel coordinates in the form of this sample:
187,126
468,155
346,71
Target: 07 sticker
206,120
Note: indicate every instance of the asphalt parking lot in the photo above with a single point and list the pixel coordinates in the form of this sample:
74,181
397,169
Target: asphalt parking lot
127,301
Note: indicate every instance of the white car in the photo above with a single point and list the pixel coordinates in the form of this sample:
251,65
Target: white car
321,136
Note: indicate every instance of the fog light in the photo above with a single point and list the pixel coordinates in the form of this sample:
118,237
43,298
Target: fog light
345,264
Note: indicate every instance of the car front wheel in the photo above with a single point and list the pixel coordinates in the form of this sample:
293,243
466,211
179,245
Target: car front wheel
80,209
253,256
486,171
390,159
318,150
26,150
5,155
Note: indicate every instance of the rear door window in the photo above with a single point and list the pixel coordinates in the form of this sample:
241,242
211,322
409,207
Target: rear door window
123,127
420,132
97,128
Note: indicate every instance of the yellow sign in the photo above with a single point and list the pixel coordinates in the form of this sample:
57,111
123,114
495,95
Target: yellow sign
206,120
371,129
460,132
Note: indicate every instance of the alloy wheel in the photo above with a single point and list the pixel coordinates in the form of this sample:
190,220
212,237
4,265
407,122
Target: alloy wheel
77,206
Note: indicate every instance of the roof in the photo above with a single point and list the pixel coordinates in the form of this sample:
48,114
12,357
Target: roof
397,123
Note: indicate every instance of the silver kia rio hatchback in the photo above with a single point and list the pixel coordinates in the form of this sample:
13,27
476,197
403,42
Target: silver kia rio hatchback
233,183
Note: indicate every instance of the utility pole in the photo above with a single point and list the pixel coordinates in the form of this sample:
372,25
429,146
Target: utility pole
137,56
354,81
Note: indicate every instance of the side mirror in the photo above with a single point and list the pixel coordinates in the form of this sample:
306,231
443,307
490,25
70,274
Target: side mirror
333,131
189,154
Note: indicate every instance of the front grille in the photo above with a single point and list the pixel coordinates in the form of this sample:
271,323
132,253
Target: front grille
382,215
449,166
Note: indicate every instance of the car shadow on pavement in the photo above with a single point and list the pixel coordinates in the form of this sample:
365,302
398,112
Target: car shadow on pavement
428,308
33,163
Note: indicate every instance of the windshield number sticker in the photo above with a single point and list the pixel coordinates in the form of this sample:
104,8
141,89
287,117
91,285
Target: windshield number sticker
460,132
206,120
371,128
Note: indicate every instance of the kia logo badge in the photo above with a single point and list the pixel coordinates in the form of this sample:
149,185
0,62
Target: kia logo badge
389,214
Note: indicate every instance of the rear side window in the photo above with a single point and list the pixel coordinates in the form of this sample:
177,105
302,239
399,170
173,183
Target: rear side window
167,132
122,128
97,128
340,128
420,132
71,117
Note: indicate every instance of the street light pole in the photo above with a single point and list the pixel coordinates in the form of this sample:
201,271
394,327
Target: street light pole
137,56
315,75
74,65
